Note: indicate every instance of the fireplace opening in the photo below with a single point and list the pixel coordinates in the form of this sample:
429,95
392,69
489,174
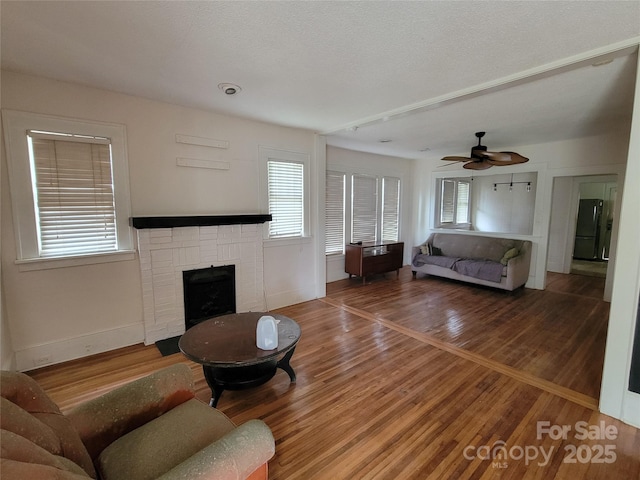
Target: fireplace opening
208,292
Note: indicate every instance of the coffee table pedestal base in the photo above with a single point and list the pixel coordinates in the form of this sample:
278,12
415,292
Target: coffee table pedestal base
220,379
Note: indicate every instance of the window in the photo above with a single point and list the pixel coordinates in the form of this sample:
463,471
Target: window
362,208
454,199
285,192
334,213
390,208
286,198
69,189
73,190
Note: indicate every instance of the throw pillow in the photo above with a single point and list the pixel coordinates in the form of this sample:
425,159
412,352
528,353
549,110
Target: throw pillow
425,249
509,254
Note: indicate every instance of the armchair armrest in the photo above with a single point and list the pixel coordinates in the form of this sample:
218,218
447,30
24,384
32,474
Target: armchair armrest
104,419
234,457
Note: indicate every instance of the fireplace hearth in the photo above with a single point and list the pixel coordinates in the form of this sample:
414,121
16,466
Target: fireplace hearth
208,292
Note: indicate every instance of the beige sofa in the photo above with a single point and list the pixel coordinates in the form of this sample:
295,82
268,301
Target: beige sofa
152,428
494,262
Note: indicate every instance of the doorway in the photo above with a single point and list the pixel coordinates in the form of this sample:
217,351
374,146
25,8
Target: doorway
594,223
572,248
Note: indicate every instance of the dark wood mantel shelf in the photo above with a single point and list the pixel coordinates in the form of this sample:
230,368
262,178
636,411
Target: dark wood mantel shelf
198,220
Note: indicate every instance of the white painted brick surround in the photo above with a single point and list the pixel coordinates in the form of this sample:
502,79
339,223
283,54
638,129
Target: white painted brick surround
166,252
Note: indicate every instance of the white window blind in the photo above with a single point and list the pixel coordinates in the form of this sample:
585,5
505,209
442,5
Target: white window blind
447,201
334,213
364,207
462,202
286,198
390,208
73,194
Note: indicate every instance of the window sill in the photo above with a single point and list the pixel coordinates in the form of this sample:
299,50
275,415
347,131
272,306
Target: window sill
32,264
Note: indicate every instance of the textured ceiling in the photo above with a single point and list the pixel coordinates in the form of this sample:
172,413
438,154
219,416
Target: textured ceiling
326,66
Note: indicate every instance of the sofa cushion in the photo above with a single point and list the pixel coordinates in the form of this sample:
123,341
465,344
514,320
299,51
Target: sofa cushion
471,246
156,447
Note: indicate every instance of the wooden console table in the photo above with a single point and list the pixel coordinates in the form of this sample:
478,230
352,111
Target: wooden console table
370,258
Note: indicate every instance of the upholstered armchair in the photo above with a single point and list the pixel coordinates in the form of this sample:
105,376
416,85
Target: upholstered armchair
152,428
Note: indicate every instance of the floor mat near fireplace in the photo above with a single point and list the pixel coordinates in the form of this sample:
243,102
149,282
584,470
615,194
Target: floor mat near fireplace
168,346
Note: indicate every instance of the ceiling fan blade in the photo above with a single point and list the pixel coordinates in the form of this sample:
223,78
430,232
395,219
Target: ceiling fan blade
455,159
447,164
504,158
477,165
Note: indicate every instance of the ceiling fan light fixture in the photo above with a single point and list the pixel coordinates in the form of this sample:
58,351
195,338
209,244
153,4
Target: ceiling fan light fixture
481,159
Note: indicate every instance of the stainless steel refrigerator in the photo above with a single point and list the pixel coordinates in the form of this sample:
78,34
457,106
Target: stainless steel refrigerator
587,241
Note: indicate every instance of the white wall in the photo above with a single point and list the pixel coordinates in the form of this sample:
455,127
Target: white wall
615,398
349,161
6,347
504,210
559,225
58,314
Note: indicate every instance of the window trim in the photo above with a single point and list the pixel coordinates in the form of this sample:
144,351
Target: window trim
266,154
16,124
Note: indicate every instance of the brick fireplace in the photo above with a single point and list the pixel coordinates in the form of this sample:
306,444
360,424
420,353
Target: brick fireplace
169,246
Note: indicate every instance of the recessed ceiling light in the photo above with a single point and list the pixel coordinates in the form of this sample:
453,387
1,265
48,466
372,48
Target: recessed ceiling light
229,88
385,140
425,149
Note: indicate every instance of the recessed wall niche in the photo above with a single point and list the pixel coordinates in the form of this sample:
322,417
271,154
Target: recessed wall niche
502,203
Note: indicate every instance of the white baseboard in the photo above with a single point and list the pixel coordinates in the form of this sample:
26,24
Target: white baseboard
37,356
290,297
335,268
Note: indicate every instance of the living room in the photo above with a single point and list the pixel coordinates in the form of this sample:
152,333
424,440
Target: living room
51,315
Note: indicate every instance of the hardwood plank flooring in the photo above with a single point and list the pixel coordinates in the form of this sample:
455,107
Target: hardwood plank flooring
557,335
382,396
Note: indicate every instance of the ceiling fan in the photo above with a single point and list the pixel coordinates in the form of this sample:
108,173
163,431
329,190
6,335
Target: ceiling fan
480,159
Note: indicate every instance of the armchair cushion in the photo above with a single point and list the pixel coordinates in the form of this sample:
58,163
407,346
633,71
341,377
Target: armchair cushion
158,446
103,420
23,393
28,460
12,469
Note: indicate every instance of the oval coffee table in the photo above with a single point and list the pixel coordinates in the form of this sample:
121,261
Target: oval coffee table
226,348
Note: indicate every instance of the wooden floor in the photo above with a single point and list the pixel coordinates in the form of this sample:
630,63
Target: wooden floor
416,379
